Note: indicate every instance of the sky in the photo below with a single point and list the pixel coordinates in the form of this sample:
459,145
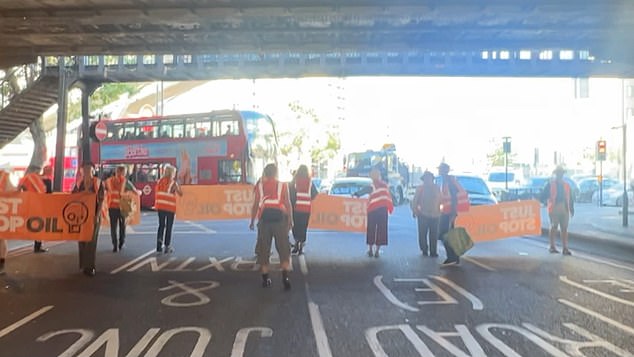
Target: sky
430,119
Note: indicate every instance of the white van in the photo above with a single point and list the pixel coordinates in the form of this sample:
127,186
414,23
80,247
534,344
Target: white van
497,182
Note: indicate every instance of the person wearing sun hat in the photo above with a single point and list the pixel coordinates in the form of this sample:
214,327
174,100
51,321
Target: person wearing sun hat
560,209
426,209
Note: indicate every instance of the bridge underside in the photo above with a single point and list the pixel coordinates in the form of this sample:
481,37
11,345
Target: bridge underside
418,35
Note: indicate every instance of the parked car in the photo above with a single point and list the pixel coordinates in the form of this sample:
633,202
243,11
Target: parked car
346,186
588,186
478,190
613,196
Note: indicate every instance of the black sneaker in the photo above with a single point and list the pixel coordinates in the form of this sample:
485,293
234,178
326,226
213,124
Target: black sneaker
295,250
266,283
168,249
449,262
114,249
287,283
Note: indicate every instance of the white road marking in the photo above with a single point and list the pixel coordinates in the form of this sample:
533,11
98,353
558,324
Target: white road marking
475,302
7,330
476,262
595,291
132,262
323,347
302,265
201,227
378,282
594,314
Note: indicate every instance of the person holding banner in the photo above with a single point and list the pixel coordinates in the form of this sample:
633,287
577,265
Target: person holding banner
379,205
116,186
88,250
33,182
561,207
302,192
426,210
165,204
272,207
5,186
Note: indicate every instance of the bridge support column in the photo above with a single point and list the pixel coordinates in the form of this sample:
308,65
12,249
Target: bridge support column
87,89
62,114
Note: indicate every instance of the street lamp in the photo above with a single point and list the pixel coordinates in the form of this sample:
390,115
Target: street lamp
507,149
625,198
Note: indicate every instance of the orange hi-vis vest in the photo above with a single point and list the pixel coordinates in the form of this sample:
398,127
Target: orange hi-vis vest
380,197
302,187
4,178
462,197
553,195
32,183
114,186
165,197
271,193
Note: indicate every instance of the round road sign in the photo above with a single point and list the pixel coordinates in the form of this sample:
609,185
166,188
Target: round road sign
98,130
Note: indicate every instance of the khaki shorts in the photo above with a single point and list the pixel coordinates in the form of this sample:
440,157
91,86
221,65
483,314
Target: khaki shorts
266,232
559,216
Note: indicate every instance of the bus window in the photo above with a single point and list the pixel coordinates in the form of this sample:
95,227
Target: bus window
229,171
115,131
178,131
190,130
203,128
166,130
229,127
129,131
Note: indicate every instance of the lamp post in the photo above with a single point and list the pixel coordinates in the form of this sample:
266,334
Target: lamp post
625,204
507,149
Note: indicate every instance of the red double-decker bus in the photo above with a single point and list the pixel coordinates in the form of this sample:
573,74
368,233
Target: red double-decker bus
220,147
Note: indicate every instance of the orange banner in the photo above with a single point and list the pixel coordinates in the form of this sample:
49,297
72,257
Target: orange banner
201,202
47,217
235,201
506,219
337,213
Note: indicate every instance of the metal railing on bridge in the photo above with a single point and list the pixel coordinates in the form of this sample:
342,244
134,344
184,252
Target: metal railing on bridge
17,79
530,63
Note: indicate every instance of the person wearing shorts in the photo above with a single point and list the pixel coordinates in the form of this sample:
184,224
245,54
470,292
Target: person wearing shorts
560,208
272,207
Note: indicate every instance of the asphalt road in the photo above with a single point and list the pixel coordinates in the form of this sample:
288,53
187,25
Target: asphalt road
507,298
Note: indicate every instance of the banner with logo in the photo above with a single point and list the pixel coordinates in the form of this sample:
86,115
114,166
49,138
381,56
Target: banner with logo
47,217
235,202
337,213
200,202
504,220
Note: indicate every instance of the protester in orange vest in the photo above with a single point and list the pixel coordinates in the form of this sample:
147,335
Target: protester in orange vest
272,207
560,208
88,250
165,203
302,192
379,205
5,186
33,182
115,187
453,199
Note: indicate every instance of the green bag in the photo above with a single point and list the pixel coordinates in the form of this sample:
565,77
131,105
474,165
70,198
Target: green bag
459,240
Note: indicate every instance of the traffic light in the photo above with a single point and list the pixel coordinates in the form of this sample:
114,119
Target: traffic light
601,150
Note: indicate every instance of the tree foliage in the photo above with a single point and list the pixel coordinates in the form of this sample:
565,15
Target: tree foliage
309,136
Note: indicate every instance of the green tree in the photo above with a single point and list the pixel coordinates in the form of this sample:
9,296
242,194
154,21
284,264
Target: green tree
496,157
309,135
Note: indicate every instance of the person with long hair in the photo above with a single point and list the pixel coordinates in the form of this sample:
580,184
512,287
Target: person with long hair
302,192
272,207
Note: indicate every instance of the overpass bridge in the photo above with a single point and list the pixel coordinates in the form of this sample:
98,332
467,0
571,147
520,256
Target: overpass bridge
60,43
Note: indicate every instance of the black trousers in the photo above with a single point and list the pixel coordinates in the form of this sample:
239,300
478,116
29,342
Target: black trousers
300,226
376,233
88,250
446,223
166,221
428,229
116,219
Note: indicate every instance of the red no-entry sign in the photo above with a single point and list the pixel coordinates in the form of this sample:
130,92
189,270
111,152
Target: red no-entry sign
99,131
